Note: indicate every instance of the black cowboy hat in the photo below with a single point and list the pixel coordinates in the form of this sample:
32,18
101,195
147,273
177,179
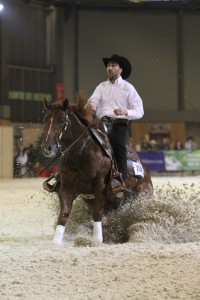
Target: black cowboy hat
123,63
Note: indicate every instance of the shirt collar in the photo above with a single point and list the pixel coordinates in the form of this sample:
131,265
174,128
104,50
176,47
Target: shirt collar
117,81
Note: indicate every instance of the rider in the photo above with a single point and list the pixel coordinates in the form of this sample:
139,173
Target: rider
116,102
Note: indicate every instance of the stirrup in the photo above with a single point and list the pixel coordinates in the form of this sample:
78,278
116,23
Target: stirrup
117,175
51,177
51,187
118,187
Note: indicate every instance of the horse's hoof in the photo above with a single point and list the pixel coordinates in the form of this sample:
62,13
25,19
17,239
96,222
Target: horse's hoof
57,243
96,243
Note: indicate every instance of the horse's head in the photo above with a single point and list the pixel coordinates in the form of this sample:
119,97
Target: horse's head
55,121
57,118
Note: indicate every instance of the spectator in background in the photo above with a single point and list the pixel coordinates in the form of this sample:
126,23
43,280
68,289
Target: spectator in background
163,144
166,143
31,151
190,144
160,144
145,146
153,145
22,159
16,165
178,145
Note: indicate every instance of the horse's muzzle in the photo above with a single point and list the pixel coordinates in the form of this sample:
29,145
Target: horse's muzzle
49,150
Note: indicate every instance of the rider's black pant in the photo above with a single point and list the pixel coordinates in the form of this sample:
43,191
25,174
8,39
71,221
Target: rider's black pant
118,139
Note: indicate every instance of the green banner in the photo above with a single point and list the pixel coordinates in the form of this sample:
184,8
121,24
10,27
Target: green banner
182,160
19,95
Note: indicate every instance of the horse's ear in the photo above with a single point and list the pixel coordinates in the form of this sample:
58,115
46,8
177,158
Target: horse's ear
46,104
65,104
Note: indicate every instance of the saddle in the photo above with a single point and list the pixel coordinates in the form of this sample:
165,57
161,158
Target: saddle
134,166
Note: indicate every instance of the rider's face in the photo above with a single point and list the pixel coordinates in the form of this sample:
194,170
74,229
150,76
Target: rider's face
113,70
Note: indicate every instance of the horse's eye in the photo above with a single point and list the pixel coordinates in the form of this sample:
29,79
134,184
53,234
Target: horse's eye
62,122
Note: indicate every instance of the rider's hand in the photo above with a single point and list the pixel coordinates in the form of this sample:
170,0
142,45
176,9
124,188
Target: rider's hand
93,107
121,112
93,110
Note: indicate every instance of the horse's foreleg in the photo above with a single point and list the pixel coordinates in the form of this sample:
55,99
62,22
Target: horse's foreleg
58,235
97,217
65,209
97,233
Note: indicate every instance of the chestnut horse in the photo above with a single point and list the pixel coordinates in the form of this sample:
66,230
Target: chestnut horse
85,168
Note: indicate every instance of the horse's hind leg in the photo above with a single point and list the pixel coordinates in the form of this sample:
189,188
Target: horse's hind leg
66,201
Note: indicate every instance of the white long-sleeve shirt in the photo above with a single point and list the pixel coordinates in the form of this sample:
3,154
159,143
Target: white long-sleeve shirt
108,96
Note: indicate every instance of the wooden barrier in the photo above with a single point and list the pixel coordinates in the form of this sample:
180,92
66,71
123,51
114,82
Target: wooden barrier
6,151
177,131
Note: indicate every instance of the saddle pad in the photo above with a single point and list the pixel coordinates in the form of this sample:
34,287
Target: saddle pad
135,168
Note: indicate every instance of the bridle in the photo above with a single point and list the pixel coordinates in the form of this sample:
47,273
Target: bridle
67,122
58,143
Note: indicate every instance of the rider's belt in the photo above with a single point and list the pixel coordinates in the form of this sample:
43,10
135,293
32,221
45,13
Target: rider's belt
114,121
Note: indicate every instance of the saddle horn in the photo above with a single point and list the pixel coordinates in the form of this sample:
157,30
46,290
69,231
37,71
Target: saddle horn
65,104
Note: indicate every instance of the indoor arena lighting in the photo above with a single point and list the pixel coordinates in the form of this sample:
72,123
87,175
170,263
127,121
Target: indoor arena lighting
1,7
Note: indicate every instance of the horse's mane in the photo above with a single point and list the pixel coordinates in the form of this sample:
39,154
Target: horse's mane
81,108
84,111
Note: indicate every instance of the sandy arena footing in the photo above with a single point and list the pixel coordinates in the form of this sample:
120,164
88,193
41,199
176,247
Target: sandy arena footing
33,268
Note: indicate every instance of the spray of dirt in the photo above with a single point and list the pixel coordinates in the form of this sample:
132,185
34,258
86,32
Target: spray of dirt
172,215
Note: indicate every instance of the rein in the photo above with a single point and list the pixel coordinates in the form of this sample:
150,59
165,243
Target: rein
50,163
74,142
